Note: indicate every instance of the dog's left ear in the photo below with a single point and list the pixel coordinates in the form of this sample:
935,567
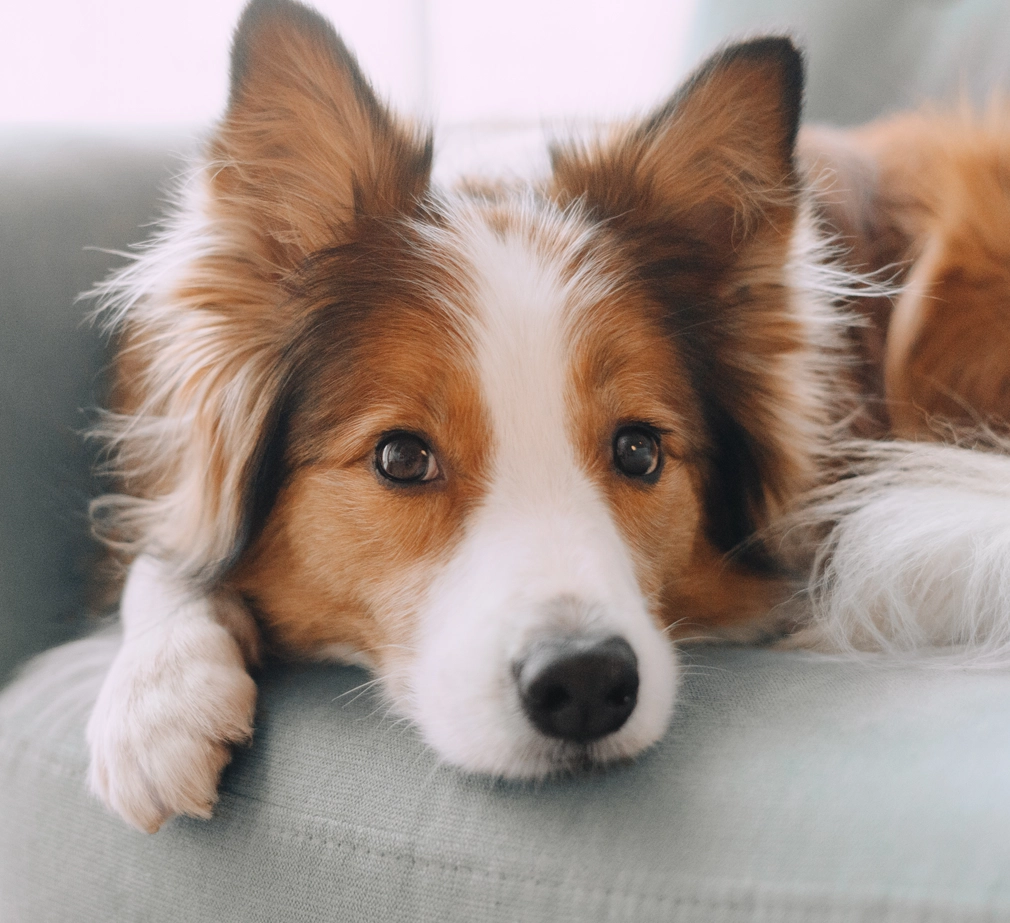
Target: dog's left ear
704,197
713,160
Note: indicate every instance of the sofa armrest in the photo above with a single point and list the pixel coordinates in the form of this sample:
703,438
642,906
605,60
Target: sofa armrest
63,203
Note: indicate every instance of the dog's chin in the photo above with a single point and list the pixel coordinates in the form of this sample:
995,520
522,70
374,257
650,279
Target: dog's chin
488,734
530,755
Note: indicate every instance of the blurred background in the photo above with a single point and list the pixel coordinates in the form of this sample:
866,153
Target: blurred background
108,64
99,98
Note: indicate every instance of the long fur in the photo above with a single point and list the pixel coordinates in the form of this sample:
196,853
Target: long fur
905,547
907,551
207,392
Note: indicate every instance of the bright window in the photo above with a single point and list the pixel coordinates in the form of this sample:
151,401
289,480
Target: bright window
114,63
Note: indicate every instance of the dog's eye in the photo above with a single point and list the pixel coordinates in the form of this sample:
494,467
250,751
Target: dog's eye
405,458
636,451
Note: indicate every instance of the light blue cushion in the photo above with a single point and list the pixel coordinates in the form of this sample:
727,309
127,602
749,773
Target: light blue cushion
789,788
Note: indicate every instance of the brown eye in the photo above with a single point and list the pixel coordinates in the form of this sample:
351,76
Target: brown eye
405,458
636,451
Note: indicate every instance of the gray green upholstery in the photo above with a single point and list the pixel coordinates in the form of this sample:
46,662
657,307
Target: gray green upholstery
62,202
789,788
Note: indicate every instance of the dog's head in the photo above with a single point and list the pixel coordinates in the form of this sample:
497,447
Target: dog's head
500,443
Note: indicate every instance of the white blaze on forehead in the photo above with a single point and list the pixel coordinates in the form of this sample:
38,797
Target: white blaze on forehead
527,307
542,519
523,359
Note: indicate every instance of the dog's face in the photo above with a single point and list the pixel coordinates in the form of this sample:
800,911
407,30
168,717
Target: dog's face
497,443
493,475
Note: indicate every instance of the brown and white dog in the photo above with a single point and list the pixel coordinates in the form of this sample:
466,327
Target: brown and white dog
504,445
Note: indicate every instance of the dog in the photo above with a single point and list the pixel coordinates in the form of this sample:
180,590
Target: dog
505,445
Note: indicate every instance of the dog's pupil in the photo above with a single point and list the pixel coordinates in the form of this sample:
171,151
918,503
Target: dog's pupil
404,458
636,451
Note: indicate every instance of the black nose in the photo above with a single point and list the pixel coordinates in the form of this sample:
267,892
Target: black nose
578,688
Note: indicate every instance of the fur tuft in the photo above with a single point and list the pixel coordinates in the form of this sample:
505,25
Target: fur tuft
912,553
199,375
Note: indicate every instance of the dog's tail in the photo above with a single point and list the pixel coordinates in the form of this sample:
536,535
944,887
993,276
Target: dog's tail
908,549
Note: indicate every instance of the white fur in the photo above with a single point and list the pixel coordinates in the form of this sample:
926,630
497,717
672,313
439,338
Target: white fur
178,694
917,554
542,554
175,699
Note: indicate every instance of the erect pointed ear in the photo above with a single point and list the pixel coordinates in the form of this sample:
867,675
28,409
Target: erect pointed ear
304,153
716,159
305,146
704,198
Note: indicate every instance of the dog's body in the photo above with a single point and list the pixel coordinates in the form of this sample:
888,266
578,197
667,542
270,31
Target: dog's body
504,445
924,198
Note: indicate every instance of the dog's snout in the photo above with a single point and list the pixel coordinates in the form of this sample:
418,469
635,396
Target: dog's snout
578,688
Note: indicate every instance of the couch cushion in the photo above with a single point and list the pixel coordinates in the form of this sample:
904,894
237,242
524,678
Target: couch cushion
867,57
790,787
63,203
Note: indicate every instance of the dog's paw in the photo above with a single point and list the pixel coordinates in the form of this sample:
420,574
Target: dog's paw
171,707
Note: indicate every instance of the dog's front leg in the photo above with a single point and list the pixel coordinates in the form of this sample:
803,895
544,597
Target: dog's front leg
177,696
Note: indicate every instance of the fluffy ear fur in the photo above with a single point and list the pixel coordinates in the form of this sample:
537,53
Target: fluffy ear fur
856,212
705,197
305,150
716,161
305,145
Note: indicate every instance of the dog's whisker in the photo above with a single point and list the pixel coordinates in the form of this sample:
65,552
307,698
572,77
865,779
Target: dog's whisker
358,690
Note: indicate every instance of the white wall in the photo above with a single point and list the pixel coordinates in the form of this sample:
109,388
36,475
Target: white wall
115,63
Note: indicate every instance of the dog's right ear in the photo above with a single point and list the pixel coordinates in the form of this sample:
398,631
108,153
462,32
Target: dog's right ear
305,146
304,152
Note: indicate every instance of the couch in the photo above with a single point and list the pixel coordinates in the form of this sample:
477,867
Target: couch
790,787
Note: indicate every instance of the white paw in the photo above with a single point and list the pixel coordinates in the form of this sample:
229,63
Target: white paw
174,702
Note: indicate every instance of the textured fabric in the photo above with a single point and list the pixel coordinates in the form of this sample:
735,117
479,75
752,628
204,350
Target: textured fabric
62,202
789,788
867,57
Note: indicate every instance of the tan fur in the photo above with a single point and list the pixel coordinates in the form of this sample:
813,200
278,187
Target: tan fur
925,198
203,362
629,370
339,541
712,193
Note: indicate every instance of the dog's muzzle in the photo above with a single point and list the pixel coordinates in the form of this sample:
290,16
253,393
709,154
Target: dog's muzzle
578,688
